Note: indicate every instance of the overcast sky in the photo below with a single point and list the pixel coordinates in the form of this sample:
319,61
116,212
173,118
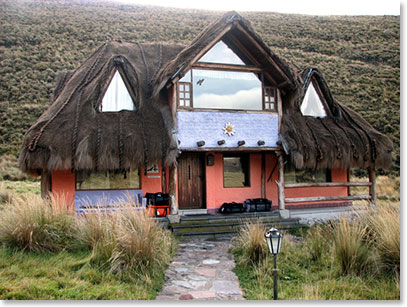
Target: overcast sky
313,7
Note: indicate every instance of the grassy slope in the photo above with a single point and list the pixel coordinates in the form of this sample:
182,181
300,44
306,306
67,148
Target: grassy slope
359,56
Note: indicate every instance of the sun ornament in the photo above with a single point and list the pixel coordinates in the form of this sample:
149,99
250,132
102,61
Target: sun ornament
229,129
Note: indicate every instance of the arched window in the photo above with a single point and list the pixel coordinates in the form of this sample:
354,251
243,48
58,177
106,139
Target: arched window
117,96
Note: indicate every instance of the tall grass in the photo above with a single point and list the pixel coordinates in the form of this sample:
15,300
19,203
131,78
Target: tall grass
251,243
383,223
121,241
33,224
352,247
126,240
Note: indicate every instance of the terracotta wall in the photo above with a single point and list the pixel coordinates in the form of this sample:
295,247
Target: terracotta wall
216,194
63,184
337,176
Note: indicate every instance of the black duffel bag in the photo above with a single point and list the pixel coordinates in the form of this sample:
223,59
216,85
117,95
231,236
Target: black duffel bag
157,199
233,207
257,205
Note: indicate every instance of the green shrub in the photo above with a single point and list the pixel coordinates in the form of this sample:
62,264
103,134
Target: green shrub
33,224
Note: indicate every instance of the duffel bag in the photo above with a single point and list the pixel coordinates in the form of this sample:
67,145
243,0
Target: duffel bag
157,199
257,205
233,207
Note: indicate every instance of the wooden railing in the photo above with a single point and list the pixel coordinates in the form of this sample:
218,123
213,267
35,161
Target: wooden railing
327,198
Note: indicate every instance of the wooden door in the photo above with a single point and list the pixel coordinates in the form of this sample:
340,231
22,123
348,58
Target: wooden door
191,181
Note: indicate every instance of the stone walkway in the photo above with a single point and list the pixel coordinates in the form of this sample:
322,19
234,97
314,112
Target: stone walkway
201,270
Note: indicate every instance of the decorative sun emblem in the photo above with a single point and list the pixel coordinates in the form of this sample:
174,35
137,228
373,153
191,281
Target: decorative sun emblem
229,129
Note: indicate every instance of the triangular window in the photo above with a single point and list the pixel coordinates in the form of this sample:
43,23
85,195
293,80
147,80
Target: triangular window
117,96
312,104
221,54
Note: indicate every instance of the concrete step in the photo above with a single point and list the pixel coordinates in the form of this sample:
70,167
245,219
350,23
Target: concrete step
219,226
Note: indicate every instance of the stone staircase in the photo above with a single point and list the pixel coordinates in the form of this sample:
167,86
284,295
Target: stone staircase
216,226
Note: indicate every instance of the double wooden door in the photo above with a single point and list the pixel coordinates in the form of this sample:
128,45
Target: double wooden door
191,181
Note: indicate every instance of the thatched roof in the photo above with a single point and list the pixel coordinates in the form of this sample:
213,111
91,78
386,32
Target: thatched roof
231,27
342,139
73,134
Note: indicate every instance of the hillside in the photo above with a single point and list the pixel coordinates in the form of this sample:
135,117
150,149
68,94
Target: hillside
359,56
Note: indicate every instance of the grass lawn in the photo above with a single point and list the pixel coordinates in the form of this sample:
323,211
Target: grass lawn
304,276
66,276
304,279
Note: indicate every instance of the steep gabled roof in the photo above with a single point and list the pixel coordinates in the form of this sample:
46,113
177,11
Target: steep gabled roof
342,139
73,134
235,30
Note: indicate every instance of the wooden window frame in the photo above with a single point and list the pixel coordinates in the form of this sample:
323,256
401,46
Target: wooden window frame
226,67
268,89
190,92
119,189
239,155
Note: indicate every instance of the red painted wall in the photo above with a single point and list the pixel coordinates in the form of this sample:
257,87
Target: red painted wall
337,176
216,194
151,183
63,185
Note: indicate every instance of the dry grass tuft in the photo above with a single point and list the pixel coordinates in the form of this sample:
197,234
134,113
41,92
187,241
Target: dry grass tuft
33,224
352,247
125,240
251,243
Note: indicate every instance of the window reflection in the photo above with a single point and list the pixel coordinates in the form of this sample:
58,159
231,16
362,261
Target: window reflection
222,54
226,90
236,171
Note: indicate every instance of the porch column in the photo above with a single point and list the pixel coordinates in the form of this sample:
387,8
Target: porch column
372,188
281,197
45,184
172,191
263,175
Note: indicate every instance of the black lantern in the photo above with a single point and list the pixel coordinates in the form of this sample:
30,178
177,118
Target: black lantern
274,240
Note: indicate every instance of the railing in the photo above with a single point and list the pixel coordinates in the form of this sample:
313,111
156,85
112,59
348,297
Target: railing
327,198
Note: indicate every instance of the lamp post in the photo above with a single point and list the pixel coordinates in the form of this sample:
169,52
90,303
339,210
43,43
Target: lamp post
274,240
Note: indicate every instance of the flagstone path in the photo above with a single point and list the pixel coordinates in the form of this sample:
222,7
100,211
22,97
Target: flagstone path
202,270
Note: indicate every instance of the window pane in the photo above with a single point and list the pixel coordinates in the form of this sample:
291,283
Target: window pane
187,77
187,87
181,95
221,53
312,105
292,175
227,90
117,96
187,95
236,171
109,180
186,103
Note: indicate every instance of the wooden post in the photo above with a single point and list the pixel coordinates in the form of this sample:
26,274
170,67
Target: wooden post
173,189
163,178
45,184
263,175
281,196
372,188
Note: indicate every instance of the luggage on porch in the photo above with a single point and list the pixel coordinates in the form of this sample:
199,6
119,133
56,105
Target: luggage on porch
231,208
157,204
257,204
